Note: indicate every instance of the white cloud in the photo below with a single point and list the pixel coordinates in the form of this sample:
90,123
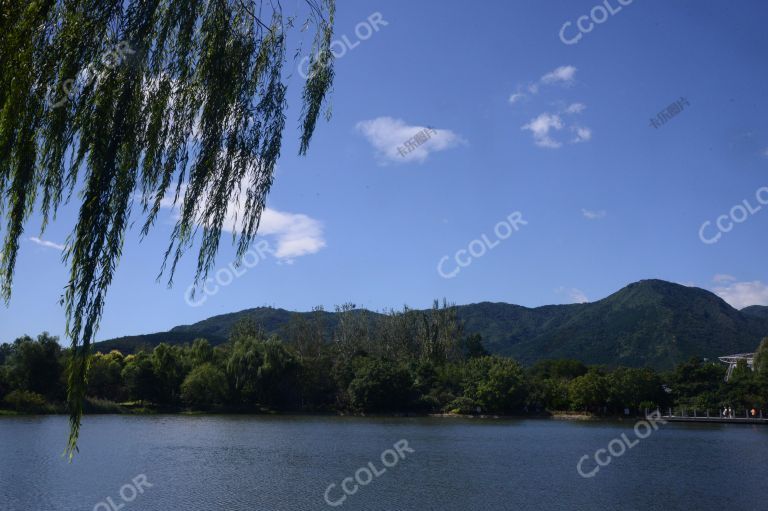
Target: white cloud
573,294
563,74
541,126
583,134
389,136
593,215
575,108
723,277
743,294
46,243
297,234
544,126
294,234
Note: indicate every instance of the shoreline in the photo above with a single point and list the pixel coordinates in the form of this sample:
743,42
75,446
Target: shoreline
567,416
553,416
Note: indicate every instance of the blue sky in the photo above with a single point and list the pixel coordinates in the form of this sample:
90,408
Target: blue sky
560,133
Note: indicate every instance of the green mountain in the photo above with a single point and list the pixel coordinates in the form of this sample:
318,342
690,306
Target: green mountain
650,323
760,311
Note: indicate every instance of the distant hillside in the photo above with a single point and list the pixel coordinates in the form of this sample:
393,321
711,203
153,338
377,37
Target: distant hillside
760,311
270,319
650,323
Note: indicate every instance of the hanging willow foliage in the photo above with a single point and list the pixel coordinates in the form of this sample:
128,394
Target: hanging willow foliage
126,99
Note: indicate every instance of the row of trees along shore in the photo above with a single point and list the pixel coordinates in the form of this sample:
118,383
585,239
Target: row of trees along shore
403,362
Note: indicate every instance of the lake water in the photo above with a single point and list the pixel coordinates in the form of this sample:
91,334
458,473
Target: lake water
287,463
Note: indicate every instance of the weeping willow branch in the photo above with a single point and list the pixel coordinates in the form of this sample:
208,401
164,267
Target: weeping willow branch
123,98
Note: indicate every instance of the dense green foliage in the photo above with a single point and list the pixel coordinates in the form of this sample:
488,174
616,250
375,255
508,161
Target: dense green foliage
133,100
205,386
651,323
404,362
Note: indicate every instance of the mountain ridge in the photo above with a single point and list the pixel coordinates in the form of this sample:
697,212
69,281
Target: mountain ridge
651,323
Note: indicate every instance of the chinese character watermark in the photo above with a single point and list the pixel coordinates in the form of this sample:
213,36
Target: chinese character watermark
668,113
415,141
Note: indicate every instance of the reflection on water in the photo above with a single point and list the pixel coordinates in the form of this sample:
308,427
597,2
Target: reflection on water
287,463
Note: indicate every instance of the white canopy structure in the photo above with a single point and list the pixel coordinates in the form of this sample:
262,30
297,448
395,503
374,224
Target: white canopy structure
733,360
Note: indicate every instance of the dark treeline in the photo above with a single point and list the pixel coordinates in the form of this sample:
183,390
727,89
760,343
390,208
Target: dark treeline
404,362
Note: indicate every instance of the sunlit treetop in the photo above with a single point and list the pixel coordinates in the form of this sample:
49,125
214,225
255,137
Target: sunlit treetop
127,99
